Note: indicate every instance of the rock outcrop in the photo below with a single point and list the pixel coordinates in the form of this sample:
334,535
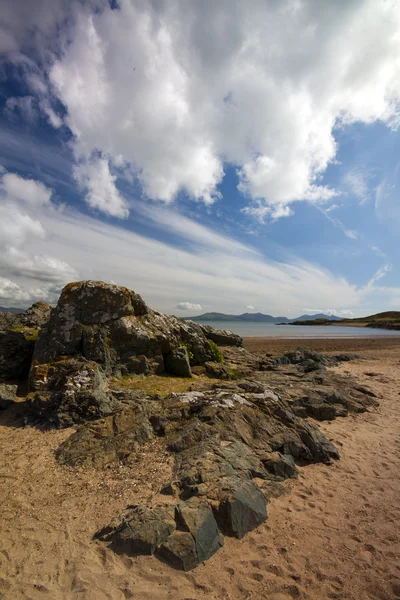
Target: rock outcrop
232,440
18,334
222,443
113,327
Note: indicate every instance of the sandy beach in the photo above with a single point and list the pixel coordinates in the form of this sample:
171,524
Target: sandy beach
335,534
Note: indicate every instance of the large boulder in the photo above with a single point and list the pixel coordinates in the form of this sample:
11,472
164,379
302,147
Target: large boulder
222,337
112,326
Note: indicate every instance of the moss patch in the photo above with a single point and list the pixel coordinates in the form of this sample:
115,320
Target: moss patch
216,352
163,385
30,334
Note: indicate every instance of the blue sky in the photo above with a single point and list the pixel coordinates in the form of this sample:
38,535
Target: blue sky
193,153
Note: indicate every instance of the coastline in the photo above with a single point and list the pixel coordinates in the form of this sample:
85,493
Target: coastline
277,345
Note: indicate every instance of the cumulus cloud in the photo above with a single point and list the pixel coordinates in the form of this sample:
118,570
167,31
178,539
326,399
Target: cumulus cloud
177,89
23,204
95,178
29,191
250,307
188,306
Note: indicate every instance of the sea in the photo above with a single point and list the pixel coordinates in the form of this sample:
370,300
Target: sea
248,329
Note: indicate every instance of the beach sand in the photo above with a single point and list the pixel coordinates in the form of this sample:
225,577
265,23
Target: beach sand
335,534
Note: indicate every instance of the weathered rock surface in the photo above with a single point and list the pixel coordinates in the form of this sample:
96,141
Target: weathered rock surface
221,441
8,394
139,530
18,334
222,337
36,317
112,326
70,391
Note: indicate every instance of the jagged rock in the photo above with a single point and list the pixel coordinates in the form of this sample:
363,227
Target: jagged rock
36,317
222,337
106,441
177,362
217,370
16,350
242,510
7,320
8,394
197,518
199,539
179,551
138,530
112,326
75,391
279,465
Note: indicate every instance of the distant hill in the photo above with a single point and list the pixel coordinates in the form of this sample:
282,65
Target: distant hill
384,320
12,309
256,318
318,316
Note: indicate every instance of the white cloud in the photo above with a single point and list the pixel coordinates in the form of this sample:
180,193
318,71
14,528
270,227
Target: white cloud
94,176
188,306
176,89
250,307
12,294
29,191
23,204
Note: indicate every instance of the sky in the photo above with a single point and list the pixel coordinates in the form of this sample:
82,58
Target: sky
223,155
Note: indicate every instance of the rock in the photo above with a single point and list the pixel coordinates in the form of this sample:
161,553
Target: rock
36,317
217,370
179,551
8,394
242,510
138,530
73,391
16,350
7,320
138,364
107,441
197,518
279,465
222,337
177,362
112,326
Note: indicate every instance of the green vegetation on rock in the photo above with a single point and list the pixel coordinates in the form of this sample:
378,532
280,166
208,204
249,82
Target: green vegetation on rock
216,352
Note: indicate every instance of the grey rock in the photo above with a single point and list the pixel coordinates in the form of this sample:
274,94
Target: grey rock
75,391
8,394
279,465
177,362
242,510
138,530
112,326
197,518
217,370
222,337
179,551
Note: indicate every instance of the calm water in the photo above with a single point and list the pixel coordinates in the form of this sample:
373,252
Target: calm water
298,331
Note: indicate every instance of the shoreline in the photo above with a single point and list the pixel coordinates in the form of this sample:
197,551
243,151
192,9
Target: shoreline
276,345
